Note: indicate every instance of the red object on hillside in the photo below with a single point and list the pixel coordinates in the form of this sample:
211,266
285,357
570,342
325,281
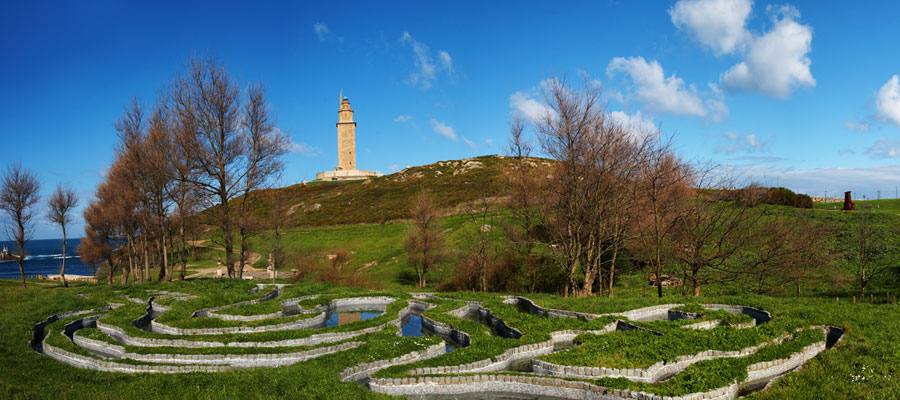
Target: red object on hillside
849,205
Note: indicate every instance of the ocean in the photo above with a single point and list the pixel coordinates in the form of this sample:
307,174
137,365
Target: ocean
43,257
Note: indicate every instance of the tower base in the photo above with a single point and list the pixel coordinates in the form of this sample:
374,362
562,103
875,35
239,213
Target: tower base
346,175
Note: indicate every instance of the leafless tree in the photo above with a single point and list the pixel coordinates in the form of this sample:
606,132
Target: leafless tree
60,207
229,152
524,202
712,231
19,194
265,147
566,135
425,242
663,185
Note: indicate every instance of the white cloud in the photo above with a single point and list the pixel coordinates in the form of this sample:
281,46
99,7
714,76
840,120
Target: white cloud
818,180
403,118
884,148
469,143
321,31
444,130
304,149
887,102
719,25
858,126
426,71
446,61
777,62
669,94
740,143
637,124
525,106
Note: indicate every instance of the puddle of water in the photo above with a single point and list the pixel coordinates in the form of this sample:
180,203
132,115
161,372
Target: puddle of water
347,317
412,327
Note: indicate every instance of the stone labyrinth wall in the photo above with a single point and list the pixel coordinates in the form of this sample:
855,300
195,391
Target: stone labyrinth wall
509,346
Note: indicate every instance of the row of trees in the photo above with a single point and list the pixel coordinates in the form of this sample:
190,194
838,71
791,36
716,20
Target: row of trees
616,197
192,159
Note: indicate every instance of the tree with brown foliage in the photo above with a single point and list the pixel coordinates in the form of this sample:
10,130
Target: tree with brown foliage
425,241
60,207
664,184
19,193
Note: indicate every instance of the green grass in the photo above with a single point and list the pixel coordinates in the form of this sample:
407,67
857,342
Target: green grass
864,365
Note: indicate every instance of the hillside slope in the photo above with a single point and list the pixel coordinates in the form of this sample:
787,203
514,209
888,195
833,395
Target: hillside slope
452,184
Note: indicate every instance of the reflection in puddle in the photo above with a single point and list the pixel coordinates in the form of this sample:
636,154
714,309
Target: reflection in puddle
346,317
413,327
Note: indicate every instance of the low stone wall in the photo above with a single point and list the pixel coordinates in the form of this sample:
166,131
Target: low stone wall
299,324
761,373
525,385
654,373
80,361
652,313
365,370
234,360
759,316
704,325
527,305
484,316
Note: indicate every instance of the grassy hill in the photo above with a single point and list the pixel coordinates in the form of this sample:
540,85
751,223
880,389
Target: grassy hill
453,184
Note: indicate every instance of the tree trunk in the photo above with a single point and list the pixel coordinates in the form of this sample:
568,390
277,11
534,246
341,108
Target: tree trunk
243,254
695,281
183,254
612,270
145,274
62,266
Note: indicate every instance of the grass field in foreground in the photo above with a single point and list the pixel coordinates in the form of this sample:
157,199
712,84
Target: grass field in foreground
865,365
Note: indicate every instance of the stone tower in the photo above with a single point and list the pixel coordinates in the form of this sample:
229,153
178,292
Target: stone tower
346,135
346,138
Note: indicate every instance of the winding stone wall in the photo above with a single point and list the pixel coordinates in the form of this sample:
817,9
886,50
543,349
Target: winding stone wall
524,385
365,370
235,360
655,373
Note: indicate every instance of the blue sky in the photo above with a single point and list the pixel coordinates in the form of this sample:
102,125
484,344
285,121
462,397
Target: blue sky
801,93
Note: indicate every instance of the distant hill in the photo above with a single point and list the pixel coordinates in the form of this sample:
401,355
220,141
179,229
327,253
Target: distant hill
453,184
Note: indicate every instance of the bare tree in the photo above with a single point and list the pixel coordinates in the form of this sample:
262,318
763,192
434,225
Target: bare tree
266,146
18,196
60,206
712,232
664,183
425,242
566,135
524,202
226,156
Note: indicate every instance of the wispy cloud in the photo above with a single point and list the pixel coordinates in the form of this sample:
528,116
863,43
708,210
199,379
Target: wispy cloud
304,149
403,118
884,148
321,30
426,71
858,126
733,143
444,130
